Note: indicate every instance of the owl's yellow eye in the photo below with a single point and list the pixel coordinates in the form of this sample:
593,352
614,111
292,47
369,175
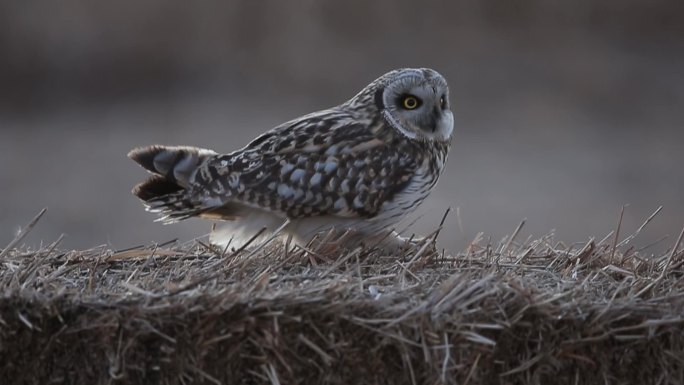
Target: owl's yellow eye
410,102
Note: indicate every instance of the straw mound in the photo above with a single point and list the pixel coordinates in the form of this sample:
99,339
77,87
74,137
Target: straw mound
533,313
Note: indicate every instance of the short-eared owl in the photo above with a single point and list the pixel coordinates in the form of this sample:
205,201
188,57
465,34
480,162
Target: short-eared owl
357,168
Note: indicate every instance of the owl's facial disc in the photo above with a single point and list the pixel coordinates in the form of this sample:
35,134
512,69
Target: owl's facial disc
416,103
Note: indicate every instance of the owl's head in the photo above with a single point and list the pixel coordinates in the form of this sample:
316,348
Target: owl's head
414,102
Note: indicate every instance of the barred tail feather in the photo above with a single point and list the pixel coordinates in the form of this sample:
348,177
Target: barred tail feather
173,207
173,168
154,187
175,163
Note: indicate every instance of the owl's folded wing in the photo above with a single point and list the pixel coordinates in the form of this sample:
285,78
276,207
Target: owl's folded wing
343,170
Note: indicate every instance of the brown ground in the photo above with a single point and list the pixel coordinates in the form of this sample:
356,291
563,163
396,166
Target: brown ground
516,312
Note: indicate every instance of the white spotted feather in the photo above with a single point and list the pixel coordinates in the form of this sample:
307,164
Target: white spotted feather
359,167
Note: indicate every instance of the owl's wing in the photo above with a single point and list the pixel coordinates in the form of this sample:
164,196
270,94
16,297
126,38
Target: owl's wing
322,164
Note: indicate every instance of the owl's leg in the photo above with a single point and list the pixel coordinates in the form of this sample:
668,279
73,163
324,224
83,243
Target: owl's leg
255,228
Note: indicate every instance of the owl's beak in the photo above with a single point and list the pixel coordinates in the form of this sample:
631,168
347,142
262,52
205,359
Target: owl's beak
435,119
432,125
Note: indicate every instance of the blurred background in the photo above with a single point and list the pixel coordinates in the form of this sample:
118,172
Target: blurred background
565,111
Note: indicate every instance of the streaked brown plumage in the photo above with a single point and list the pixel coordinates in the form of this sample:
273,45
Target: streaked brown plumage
360,166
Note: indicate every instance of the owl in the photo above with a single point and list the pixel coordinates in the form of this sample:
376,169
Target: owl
355,169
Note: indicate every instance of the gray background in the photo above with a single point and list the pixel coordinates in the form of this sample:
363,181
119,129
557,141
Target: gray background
564,111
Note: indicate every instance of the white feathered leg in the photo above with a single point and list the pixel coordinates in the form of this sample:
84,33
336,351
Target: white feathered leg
238,232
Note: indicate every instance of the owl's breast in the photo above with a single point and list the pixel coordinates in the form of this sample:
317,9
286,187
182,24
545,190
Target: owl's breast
419,187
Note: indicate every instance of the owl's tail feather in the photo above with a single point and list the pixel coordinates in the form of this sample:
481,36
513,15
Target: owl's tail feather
173,167
176,164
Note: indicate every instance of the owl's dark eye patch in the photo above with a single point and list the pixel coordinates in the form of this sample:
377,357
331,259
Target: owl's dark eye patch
442,102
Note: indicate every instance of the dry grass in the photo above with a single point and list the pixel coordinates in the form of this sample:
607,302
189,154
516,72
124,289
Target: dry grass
516,312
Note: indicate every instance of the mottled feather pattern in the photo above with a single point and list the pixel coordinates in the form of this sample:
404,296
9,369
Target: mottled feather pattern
334,179
350,162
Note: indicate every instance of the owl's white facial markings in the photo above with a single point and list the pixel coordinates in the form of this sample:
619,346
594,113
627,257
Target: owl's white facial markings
445,126
417,105
389,117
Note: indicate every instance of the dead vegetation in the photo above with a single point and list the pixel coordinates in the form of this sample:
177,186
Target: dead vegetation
515,312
